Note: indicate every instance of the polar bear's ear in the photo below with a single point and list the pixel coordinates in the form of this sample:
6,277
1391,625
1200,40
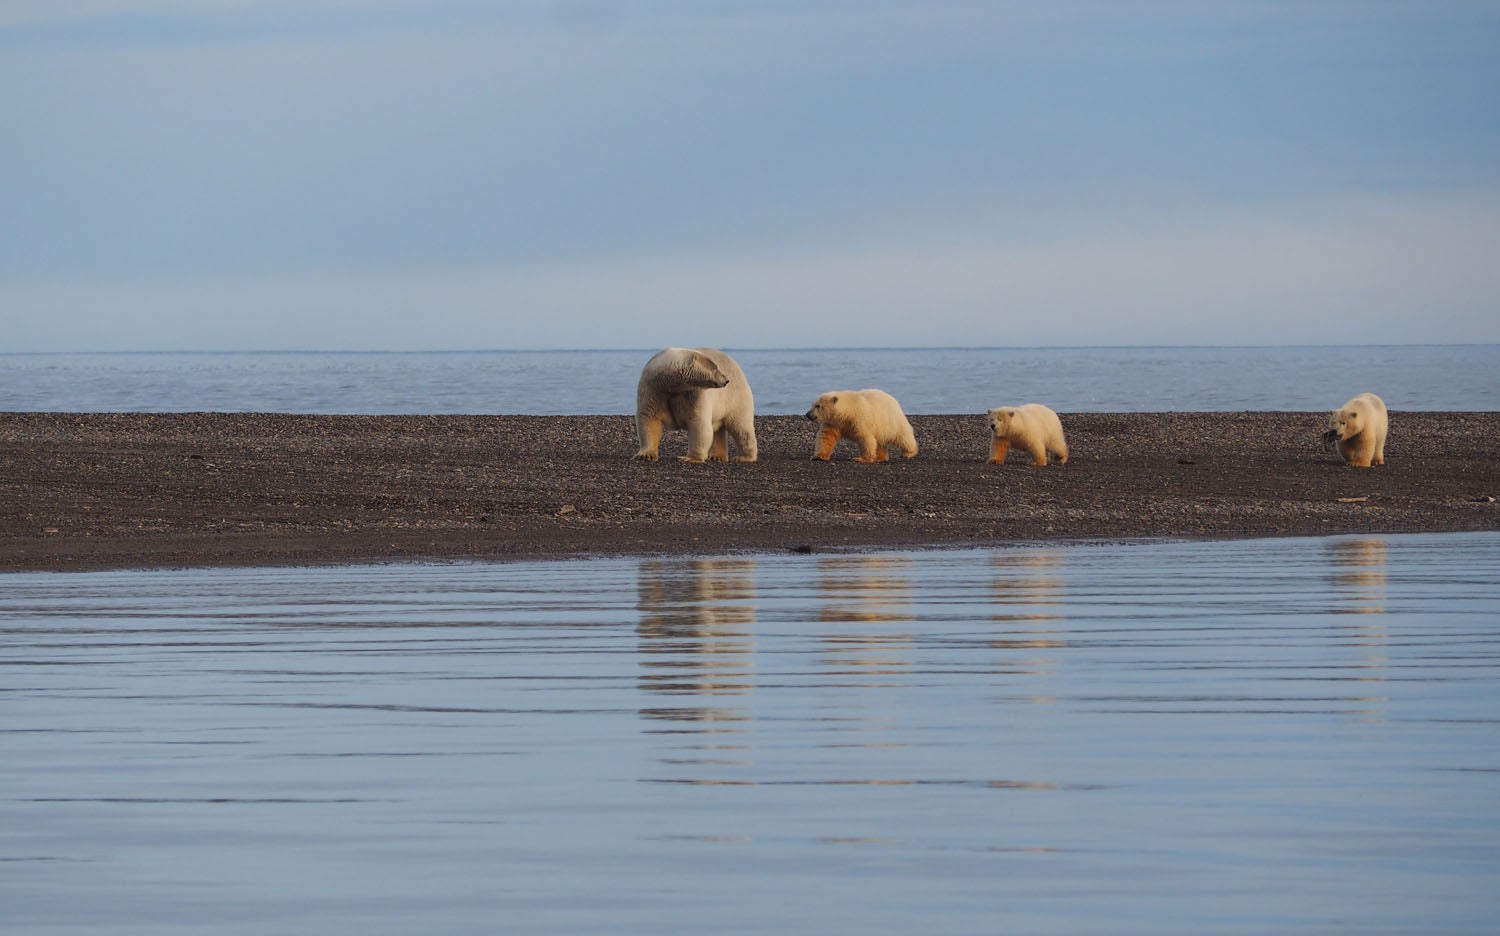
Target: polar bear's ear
833,399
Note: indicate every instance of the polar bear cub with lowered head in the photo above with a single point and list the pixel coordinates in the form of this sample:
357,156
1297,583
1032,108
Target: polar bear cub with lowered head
703,391
1359,428
872,419
1032,428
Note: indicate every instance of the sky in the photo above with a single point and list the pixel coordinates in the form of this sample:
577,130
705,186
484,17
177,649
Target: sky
457,174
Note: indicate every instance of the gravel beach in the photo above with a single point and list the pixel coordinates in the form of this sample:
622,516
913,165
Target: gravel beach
129,490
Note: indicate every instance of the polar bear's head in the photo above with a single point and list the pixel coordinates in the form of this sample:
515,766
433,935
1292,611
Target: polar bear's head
678,370
703,373
1346,423
825,408
1000,420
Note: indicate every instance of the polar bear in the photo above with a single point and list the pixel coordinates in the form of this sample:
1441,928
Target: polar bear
1031,427
871,418
1358,429
703,391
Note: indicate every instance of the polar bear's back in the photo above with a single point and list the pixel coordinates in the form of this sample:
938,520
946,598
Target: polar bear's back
877,411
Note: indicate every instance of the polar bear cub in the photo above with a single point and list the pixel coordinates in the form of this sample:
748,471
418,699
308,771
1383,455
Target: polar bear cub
872,419
1031,427
703,391
1359,428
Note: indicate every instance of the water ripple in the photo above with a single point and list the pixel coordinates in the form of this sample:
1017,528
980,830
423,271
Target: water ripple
766,743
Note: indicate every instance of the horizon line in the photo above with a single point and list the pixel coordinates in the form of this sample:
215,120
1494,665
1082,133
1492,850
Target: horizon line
758,348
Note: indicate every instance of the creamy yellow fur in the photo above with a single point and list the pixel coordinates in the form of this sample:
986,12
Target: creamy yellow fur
1032,427
1360,427
872,419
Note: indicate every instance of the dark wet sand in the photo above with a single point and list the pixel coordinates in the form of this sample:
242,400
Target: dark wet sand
104,490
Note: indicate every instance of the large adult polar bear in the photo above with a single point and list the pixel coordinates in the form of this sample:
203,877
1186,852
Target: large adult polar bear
703,391
1359,429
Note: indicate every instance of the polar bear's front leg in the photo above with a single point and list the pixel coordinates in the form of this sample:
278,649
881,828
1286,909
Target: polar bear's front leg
827,439
700,438
648,432
999,448
719,450
1364,452
744,443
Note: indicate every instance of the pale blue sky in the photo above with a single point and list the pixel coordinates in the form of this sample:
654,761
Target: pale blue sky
393,174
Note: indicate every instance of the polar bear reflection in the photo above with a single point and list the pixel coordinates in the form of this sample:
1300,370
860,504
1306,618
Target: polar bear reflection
875,593
1027,594
1358,581
696,632
1358,576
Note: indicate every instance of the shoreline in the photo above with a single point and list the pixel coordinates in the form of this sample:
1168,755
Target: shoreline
99,491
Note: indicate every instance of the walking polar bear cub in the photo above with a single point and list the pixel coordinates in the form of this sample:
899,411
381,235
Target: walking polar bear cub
872,419
703,391
1359,428
1032,428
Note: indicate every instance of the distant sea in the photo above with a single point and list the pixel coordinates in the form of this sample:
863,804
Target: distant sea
926,380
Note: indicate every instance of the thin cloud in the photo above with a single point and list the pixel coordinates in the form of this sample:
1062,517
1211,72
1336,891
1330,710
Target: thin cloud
1349,272
459,174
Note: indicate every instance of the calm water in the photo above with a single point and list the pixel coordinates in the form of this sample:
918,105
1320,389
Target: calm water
1245,737
593,382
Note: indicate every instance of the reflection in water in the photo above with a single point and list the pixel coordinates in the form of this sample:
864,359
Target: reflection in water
1027,592
1028,589
873,592
696,639
1359,574
866,615
1359,583
665,747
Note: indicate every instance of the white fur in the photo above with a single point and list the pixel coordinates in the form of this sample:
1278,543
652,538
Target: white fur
703,391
